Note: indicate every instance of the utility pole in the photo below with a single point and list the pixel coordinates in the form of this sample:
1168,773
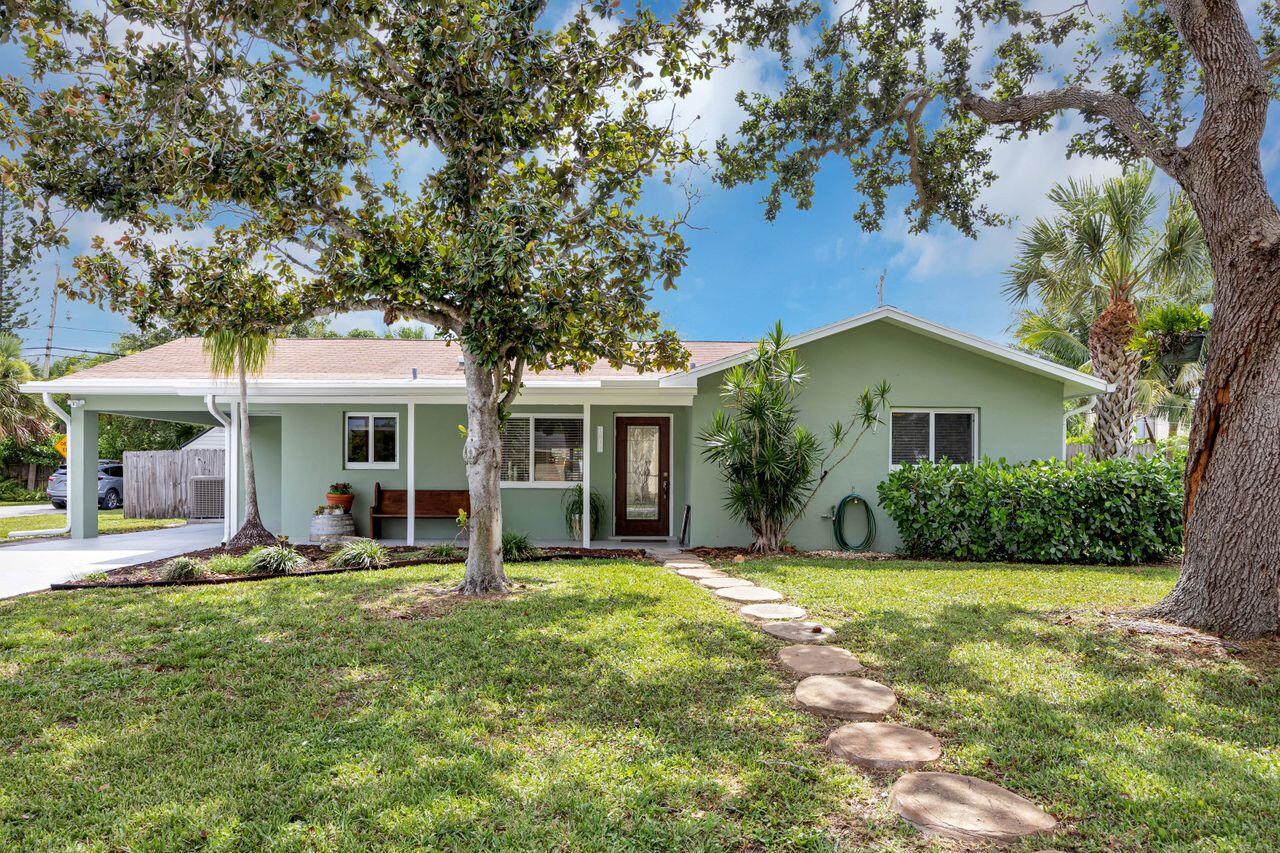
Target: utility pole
53,318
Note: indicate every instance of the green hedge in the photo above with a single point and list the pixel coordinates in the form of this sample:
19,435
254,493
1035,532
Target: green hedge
1112,511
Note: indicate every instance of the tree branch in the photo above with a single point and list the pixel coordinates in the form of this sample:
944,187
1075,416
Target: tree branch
1121,112
513,389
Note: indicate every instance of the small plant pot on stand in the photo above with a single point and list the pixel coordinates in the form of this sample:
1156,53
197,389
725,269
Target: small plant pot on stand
341,501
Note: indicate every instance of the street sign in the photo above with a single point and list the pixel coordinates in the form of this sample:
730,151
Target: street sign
61,446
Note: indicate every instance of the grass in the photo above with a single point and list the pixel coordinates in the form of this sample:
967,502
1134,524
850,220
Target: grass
109,521
1131,742
606,706
24,503
609,705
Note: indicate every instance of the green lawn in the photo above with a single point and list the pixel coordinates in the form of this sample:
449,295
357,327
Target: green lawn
608,705
1133,743
109,521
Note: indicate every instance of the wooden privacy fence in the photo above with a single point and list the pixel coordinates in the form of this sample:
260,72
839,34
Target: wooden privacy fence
173,483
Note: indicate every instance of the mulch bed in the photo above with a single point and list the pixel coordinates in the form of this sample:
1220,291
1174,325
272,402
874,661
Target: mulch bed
730,553
147,574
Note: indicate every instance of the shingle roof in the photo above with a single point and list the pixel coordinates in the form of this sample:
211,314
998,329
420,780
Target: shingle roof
345,358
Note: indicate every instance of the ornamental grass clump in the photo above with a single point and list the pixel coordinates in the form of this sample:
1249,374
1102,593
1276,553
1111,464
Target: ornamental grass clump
182,569
1108,511
516,546
276,560
360,554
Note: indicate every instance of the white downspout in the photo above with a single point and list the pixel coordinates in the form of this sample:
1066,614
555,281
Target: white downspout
1078,410
66,528
586,475
226,464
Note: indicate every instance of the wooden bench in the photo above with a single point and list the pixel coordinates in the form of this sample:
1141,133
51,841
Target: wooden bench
427,503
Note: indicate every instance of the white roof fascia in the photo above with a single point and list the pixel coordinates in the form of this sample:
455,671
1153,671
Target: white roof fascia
1085,383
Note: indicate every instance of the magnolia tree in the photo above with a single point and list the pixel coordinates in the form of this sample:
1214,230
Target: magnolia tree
910,94
470,164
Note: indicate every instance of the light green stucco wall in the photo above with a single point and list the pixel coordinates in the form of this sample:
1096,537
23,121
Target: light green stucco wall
1020,418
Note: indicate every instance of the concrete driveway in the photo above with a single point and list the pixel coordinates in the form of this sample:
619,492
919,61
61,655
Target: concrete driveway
34,565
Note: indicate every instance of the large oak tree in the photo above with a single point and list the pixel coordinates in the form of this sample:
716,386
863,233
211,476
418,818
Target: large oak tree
469,164
905,92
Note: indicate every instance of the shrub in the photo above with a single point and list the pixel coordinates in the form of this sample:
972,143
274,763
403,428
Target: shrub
516,546
1110,511
360,554
182,569
340,489
12,490
443,550
275,560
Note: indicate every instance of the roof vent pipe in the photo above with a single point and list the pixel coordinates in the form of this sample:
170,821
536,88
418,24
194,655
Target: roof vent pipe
65,528
413,372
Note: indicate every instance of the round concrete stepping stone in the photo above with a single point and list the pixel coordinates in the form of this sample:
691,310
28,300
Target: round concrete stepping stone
883,746
845,697
799,632
723,583
818,660
685,564
966,808
701,573
749,593
770,612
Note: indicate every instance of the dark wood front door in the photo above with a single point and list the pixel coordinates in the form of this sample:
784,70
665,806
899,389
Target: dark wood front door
642,477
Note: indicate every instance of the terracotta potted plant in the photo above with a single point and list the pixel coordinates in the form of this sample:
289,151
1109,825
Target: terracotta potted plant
340,495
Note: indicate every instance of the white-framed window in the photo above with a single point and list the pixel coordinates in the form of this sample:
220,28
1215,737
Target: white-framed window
371,439
542,450
916,435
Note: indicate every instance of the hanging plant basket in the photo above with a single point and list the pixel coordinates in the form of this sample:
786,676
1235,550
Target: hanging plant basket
1183,349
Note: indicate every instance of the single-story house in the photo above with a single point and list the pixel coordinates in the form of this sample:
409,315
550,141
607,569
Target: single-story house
388,412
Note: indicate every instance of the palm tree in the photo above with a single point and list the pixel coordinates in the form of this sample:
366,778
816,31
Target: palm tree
22,418
1100,257
244,356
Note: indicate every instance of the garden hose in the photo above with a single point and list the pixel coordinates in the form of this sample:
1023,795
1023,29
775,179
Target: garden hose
837,523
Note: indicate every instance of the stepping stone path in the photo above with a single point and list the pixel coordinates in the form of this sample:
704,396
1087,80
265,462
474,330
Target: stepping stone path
845,697
799,632
723,583
818,660
749,593
883,746
946,804
963,807
770,612
701,573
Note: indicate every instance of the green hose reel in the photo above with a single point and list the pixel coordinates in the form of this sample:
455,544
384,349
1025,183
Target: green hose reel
837,523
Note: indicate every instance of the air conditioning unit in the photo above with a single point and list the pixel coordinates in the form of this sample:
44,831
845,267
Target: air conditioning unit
205,497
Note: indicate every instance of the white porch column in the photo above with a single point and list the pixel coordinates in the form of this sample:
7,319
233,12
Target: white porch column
412,480
233,482
586,475
82,471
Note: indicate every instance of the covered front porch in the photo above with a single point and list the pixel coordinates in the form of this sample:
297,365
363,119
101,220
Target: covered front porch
631,446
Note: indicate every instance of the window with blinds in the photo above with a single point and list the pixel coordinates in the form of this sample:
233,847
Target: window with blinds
542,449
922,434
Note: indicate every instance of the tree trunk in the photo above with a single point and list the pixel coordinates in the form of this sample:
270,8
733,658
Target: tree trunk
1109,338
251,533
31,476
482,454
1230,581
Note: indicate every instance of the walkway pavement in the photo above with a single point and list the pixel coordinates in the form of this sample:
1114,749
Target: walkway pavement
32,566
17,511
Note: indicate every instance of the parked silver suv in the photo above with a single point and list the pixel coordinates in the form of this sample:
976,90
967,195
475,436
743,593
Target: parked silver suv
110,485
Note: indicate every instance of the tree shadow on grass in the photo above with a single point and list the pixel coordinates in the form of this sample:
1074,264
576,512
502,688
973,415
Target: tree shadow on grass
1124,744
577,715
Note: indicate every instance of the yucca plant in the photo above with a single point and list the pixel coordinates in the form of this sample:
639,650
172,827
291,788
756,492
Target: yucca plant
772,463
360,554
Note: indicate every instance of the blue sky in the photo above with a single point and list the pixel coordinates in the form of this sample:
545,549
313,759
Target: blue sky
806,269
